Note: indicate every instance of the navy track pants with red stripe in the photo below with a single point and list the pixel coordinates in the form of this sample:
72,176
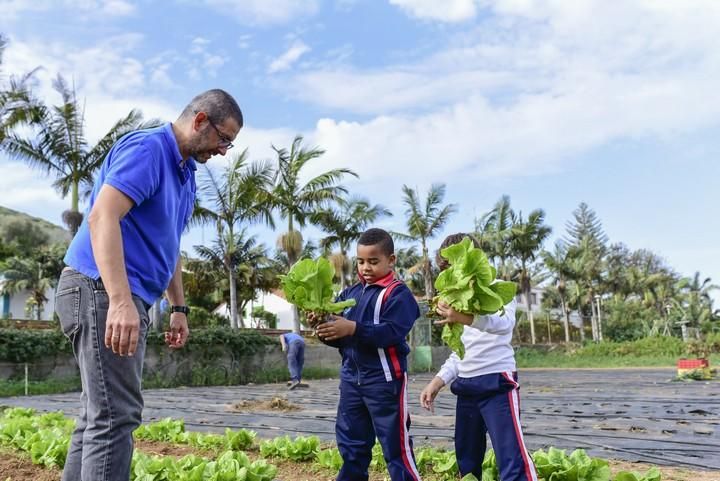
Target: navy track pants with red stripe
491,404
369,411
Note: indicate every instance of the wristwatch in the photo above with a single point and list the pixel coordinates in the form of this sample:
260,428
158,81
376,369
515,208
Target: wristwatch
184,309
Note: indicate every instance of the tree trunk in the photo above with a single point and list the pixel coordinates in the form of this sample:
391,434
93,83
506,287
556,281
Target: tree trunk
156,316
566,319
233,301
292,259
530,316
427,273
296,319
593,319
344,275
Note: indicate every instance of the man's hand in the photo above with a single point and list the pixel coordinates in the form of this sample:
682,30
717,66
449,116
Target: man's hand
337,328
179,332
427,396
451,315
122,327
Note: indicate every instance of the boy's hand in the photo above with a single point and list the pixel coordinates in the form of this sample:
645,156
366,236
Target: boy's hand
427,396
337,328
451,315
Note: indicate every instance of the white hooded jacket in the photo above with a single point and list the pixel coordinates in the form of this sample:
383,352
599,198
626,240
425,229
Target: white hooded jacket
487,347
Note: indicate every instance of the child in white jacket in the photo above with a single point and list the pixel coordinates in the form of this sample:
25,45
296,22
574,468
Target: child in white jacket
485,383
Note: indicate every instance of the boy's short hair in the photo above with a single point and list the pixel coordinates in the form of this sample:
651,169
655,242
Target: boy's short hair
380,238
450,240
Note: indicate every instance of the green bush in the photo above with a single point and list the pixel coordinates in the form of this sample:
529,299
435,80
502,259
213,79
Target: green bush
246,341
29,345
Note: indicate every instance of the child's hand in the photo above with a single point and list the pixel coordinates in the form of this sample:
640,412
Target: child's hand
451,315
427,396
337,328
313,318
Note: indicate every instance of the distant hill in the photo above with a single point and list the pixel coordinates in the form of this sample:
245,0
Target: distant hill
56,233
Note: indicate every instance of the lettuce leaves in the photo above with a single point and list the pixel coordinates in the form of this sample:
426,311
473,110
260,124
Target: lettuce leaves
469,285
309,285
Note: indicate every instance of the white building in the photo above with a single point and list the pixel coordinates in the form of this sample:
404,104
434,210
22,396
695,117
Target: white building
14,306
271,302
536,295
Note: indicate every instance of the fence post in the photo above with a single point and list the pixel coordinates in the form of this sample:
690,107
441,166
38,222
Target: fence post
26,379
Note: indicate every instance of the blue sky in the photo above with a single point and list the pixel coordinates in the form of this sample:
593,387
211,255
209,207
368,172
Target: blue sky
549,101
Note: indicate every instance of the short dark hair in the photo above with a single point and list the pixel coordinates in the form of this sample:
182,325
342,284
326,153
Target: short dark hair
217,104
450,240
380,238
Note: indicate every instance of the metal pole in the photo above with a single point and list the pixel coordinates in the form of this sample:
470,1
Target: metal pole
26,379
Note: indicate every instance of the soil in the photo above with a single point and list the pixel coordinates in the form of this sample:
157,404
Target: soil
276,404
18,467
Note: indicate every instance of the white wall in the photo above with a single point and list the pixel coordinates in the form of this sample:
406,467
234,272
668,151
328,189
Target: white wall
271,303
17,305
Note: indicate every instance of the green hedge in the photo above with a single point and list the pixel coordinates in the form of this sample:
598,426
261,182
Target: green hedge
30,345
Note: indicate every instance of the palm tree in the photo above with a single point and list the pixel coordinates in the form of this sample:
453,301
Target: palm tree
526,241
425,222
296,202
587,266
558,263
344,225
587,247
239,196
36,274
256,271
696,294
59,146
494,230
309,251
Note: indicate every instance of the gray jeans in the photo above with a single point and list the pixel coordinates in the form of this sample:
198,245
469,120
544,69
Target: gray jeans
111,402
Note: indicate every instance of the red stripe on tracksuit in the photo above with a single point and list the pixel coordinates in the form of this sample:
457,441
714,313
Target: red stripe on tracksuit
392,351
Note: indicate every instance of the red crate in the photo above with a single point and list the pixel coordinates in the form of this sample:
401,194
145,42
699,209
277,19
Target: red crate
692,363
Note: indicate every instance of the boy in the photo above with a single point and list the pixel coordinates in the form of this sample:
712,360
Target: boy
485,383
294,345
373,378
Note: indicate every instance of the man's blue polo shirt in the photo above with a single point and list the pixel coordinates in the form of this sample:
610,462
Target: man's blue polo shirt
145,166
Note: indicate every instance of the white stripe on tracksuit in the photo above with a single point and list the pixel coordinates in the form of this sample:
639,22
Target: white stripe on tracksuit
381,351
405,434
530,472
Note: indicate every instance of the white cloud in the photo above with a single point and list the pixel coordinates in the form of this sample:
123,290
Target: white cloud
105,76
210,63
110,8
287,59
265,12
27,190
445,11
118,8
535,84
243,41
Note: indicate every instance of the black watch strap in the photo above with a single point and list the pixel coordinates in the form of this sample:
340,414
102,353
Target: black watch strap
184,309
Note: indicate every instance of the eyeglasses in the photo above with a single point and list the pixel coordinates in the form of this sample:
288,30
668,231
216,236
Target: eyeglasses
224,142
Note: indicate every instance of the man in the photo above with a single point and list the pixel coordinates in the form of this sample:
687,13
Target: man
124,256
294,345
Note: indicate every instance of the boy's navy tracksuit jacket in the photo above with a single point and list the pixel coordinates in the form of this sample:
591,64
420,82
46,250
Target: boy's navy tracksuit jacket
373,379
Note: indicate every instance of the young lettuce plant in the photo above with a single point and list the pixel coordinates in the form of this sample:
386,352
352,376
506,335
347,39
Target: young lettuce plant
469,285
309,285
